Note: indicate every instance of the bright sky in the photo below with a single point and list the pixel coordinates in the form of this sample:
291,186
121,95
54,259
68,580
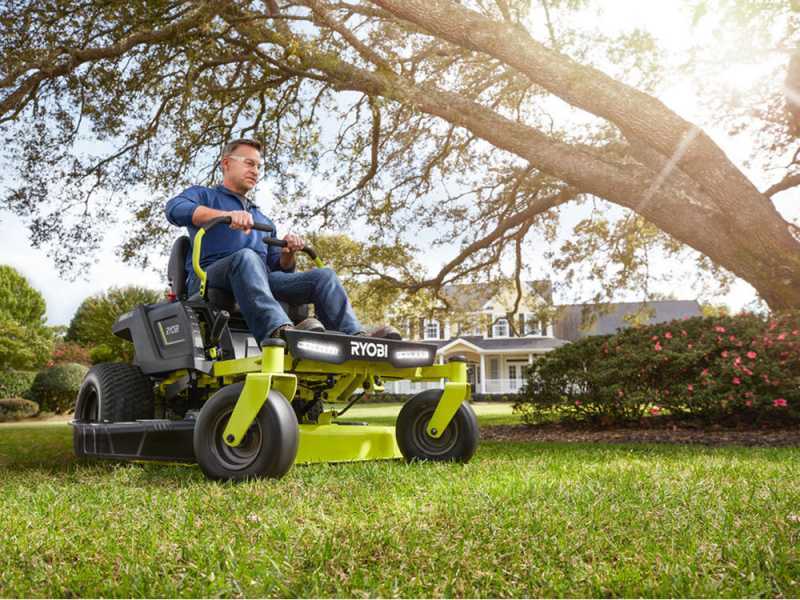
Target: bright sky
662,18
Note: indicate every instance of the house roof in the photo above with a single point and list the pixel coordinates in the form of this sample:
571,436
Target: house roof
521,344
569,324
473,296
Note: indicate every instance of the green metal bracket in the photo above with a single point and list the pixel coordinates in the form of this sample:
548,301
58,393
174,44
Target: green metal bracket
254,394
255,391
345,386
452,397
374,386
327,417
456,391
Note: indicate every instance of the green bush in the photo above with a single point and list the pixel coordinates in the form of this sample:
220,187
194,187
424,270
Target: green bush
102,353
91,325
16,383
12,409
56,388
715,368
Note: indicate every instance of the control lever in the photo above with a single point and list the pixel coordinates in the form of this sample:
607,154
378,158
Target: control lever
216,328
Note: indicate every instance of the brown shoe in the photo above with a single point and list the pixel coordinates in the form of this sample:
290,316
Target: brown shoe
279,332
310,324
385,331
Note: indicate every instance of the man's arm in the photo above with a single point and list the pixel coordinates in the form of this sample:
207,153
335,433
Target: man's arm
240,219
188,208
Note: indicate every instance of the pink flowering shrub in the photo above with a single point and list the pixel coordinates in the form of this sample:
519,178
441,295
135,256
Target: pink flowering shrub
69,352
745,366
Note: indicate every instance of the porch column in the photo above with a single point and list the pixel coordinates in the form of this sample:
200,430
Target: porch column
530,358
483,374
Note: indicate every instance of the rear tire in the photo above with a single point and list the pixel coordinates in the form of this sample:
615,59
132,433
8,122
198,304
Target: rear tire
457,443
114,392
268,448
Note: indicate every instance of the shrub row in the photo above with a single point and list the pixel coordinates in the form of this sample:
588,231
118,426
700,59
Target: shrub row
12,409
745,366
16,383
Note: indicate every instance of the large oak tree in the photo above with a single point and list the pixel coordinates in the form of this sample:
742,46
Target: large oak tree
446,121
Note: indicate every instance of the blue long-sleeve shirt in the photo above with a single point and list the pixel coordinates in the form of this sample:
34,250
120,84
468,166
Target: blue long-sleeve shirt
221,241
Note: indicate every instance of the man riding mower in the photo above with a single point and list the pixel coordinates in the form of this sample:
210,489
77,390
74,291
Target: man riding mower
222,378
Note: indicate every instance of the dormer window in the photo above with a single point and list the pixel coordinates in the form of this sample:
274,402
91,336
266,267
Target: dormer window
500,328
432,329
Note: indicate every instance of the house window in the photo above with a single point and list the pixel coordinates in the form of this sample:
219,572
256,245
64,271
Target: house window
532,327
432,329
516,370
494,368
500,328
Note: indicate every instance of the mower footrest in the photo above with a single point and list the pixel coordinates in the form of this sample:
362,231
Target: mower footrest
156,439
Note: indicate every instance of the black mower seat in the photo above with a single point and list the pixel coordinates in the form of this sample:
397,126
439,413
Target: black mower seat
219,298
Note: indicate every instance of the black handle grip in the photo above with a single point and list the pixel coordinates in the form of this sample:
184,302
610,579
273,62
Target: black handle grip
282,244
227,220
270,241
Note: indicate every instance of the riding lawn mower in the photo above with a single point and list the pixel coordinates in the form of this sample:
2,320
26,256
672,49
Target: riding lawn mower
199,389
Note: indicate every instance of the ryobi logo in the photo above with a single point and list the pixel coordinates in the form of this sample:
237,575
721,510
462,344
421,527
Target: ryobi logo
369,349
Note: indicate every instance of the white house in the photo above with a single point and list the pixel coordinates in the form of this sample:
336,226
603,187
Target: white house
477,329
496,355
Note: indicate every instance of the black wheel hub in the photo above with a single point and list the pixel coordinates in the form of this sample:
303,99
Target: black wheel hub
241,456
430,445
90,406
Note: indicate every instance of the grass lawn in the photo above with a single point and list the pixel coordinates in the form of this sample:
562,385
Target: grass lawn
519,520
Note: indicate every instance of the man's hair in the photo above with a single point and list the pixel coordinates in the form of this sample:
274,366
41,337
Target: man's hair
231,146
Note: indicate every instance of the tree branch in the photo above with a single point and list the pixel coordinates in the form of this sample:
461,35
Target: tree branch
74,58
534,208
789,181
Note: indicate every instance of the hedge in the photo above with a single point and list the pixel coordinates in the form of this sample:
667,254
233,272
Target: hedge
745,366
12,409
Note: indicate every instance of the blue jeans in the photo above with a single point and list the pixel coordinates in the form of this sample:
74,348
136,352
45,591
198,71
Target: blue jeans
258,293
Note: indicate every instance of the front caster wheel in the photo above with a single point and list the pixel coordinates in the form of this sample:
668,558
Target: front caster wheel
268,449
457,443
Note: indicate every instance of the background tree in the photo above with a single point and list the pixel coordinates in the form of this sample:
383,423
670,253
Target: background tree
446,130
91,325
25,341
361,268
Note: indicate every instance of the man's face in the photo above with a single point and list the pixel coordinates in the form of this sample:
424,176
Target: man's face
241,169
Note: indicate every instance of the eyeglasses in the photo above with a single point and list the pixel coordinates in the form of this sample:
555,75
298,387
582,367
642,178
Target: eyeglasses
249,162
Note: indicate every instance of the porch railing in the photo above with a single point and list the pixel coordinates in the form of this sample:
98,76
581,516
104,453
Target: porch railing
493,386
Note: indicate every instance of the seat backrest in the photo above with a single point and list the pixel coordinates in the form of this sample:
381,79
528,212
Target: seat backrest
176,270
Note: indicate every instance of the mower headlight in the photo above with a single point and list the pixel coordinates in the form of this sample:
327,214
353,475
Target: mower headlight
317,347
412,355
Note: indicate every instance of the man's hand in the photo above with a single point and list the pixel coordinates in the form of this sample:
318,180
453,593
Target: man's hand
241,219
293,243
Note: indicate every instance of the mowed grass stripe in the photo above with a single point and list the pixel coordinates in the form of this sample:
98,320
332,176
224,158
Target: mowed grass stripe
519,520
